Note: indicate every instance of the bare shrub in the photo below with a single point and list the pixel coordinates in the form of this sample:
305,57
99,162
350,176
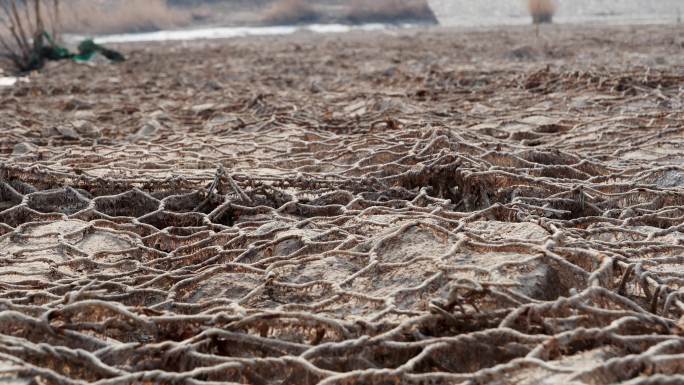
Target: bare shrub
390,11
542,11
291,12
26,27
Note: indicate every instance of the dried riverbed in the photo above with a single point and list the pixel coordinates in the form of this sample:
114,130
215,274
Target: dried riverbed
407,207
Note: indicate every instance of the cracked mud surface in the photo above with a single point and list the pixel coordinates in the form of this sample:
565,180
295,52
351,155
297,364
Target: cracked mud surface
413,207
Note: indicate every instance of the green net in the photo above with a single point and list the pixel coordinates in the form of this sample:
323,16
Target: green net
47,49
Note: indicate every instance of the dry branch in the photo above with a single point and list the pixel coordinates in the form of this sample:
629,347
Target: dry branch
23,29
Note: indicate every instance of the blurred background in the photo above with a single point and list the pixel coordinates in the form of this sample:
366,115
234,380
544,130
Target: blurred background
120,16
465,12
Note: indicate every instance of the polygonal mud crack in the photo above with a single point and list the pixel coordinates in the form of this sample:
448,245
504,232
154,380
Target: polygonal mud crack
67,201
582,361
190,202
134,203
164,219
57,227
458,357
387,279
515,269
415,241
367,357
509,230
227,285
21,214
97,240
9,197
334,269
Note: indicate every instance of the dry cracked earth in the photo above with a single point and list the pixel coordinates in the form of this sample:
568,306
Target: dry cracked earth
399,207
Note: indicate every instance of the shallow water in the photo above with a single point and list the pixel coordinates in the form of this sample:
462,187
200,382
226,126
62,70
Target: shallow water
233,32
9,81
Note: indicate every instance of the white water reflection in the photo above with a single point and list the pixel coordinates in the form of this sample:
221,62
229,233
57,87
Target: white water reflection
231,32
9,81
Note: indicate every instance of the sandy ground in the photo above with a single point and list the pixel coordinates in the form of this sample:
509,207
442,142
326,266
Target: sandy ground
412,206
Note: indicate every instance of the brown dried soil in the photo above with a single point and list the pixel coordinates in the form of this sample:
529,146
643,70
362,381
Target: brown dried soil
414,207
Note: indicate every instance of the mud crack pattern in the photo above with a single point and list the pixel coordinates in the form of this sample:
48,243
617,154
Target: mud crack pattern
349,210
